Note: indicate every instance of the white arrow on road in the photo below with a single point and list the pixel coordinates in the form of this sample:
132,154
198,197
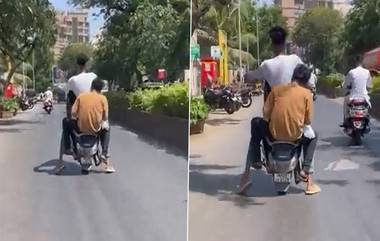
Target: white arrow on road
342,165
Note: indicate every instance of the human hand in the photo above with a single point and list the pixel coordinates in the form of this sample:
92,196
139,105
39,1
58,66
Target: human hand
308,132
105,125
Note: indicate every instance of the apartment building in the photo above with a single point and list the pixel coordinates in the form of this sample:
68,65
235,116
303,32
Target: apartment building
72,27
293,9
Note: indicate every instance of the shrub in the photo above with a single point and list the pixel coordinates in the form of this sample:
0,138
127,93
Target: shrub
332,80
11,105
170,100
376,85
198,110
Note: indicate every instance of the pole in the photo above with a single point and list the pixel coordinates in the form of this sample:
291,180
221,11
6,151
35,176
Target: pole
248,53
240,60
257,39
23,79
191,80
34,80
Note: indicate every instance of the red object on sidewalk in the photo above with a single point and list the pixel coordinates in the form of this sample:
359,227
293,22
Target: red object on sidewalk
371,60
161,74
9,91
209,72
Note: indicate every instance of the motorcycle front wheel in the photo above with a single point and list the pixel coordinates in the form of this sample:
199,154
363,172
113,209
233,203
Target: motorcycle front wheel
229,108
247,103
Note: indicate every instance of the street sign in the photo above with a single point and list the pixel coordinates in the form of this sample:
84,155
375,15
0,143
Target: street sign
215,52
195,51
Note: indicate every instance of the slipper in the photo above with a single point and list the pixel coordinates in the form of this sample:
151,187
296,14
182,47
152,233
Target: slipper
314,189
244,188
59,168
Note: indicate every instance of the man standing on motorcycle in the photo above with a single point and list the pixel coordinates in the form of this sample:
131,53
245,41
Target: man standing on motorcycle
90,111
357,83
287,117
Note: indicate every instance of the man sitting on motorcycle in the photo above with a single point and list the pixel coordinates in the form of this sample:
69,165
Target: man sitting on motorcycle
48,95
357,83
287,117
90,112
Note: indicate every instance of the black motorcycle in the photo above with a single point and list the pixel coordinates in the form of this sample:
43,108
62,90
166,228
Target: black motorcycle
221,99
48,106
26,103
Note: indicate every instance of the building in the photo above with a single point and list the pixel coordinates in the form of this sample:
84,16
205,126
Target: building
72,27
293,9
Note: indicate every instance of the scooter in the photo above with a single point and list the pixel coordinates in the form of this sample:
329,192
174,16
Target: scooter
88,151
284,161
48,106
357,123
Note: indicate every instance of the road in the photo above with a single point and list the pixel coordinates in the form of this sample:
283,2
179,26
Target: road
347,209
144,200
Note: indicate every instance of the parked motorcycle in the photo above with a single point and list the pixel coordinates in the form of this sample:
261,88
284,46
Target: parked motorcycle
26,103
222,99
48,106
284,161
245,97
357,123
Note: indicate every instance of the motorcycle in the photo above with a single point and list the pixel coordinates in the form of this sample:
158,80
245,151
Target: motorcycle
88,151
284,161
357,122
26,104
48,106
222,99
245,97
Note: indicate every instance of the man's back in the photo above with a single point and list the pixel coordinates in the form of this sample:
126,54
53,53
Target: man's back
288,108
90,109
358,79
279,70
81,83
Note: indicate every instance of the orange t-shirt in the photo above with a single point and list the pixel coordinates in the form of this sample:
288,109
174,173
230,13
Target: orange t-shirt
90,109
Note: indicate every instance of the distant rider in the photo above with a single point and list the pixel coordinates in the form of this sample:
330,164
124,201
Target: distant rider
357,83
48,95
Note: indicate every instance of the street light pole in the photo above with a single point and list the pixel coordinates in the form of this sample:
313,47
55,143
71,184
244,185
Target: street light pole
240,59
257,39
34,80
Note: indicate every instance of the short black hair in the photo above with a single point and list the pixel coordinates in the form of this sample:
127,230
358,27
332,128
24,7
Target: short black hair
358,59
278,35
97,85
301,74
82,59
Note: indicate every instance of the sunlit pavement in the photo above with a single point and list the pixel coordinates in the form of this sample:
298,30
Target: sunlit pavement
347,209
144,200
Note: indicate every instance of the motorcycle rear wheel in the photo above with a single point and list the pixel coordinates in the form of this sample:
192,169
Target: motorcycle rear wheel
229,108
357,138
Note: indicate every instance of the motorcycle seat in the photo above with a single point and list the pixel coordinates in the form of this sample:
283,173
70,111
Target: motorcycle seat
282,150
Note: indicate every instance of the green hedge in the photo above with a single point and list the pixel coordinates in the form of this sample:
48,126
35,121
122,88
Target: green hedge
170,100
11,105
331,81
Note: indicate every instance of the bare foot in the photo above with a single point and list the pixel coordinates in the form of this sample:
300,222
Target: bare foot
312,188
245,183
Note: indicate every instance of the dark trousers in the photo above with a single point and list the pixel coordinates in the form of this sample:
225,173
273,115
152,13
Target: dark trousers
69,126
260,130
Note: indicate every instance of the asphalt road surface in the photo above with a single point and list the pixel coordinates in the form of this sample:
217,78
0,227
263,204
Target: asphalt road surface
347,209
144,200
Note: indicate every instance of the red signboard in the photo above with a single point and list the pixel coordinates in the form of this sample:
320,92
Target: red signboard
371,59
209,72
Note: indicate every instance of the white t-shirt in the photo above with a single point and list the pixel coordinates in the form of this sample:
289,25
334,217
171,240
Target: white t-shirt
278,70
358,79
48,95
81,83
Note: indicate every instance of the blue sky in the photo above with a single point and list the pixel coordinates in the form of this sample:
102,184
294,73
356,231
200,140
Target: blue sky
95,22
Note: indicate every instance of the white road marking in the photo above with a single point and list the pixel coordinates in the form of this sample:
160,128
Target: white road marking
342,165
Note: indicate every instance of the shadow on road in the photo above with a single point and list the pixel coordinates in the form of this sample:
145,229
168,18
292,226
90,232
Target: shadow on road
71,168
12,130
10,122
223,121
224,186
340,183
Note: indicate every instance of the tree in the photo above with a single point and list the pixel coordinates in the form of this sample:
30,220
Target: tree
318,32
362,28
67,62
24,26
141,36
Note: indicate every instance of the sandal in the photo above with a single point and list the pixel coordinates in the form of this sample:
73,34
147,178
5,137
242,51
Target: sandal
312,189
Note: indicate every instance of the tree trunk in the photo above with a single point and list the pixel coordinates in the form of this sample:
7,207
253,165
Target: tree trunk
11,71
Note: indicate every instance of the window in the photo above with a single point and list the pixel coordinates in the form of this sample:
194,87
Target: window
298,2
